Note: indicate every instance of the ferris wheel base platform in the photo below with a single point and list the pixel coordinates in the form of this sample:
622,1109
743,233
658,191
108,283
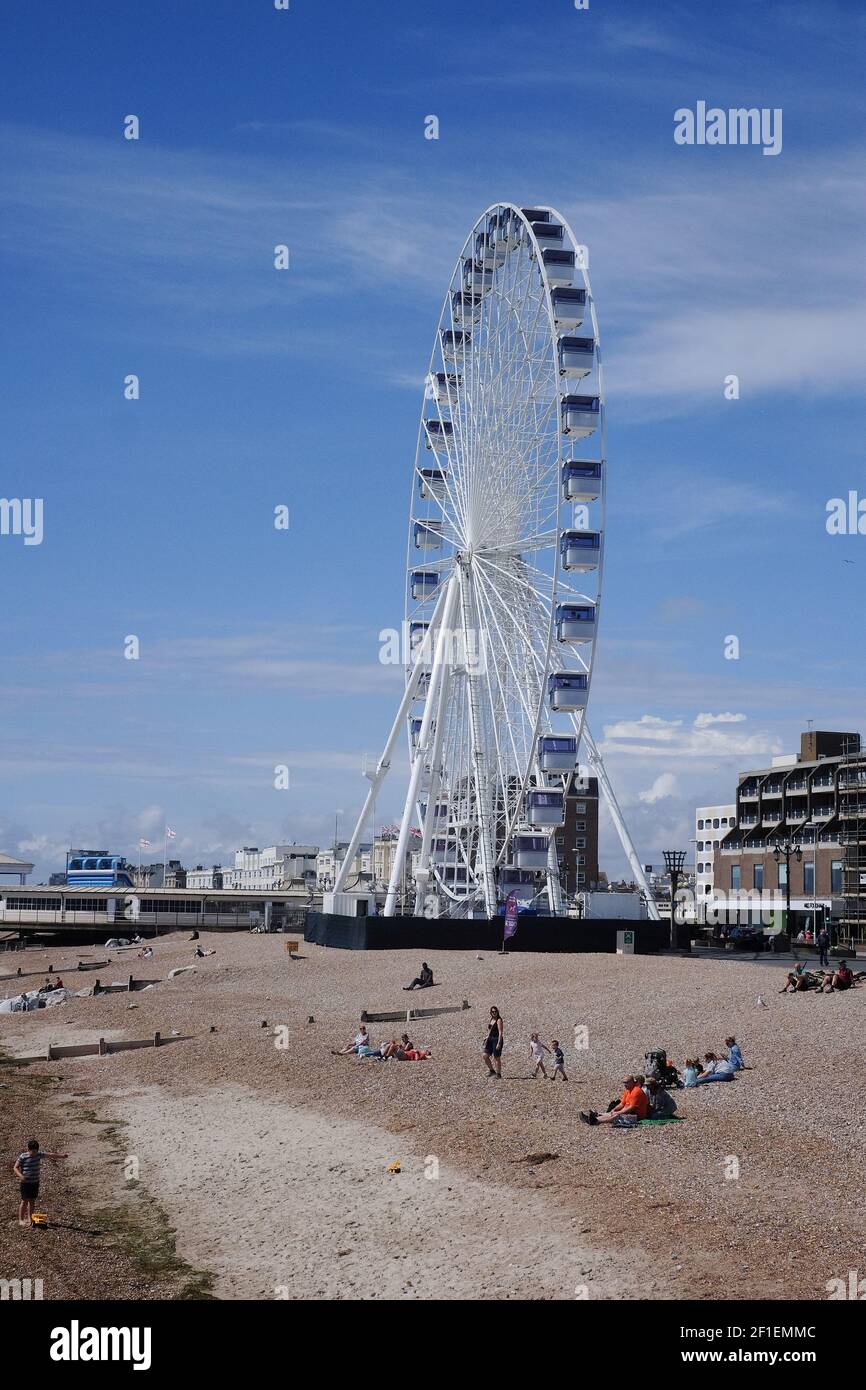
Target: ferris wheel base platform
563,934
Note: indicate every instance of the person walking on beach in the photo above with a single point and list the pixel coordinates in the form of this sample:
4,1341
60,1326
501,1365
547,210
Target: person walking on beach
558,1060
492,1053
537,1050
26,1170
823,946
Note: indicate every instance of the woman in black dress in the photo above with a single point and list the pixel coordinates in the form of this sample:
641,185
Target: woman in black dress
493,1046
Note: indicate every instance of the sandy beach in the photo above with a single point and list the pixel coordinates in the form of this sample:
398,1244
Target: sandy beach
270,1156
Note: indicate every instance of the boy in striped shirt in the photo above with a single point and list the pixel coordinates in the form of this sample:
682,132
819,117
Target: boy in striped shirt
27,1168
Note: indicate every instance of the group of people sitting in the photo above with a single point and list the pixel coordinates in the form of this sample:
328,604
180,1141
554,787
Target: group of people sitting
643,1098
823,981
48,987
713,1068
647,1098
400,1049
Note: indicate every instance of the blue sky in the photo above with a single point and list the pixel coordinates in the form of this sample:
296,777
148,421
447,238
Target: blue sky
303,388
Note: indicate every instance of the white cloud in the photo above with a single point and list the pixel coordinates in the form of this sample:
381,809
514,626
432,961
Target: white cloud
703,721
663,786
653,737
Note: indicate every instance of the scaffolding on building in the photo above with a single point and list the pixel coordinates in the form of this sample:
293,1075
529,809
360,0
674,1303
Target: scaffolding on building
852,812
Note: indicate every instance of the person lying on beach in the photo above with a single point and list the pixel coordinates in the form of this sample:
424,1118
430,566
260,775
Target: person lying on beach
361,1039
537,1050
26,1170
424,980
661,1102
629,1110
715,1069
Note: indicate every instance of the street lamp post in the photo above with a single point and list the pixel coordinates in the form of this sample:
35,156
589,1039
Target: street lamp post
783,849
674,861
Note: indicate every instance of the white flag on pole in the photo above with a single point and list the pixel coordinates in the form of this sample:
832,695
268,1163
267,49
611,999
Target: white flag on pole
169,833
144,844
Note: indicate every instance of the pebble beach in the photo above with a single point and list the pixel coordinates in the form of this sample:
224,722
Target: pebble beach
274,1160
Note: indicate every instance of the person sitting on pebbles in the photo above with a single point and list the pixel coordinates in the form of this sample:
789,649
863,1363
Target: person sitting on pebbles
423,980
628,1111
842,979
715,1069
798,979
361,1039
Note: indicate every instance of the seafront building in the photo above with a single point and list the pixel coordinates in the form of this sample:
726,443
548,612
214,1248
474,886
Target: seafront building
328,863
805,815
255,870
712,824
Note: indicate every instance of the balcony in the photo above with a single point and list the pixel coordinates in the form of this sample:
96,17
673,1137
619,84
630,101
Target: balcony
798,785
748,793
748,820
797,814
823,781
772,789
822,812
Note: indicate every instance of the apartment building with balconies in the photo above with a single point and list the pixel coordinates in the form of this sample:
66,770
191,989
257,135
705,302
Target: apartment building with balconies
798,816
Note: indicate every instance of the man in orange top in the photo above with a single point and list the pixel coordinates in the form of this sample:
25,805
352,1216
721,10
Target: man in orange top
633,1107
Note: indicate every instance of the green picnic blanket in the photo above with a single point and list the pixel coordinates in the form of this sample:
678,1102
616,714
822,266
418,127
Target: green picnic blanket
663,1120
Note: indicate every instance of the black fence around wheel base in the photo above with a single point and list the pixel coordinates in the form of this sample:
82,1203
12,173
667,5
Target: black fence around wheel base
480,934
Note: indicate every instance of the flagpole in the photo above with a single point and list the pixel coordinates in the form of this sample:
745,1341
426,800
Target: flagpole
164,854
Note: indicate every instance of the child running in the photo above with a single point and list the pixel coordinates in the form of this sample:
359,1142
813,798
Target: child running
558,1060
537,1050
27,1167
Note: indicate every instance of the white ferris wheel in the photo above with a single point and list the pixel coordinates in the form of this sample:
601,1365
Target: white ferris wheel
504,571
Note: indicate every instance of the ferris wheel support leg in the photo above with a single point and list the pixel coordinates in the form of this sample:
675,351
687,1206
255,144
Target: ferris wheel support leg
598,767
437,673
382,769
479,767
427,834
554,885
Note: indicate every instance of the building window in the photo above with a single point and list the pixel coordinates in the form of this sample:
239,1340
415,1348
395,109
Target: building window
700,825
33,904
783,875
716,823
808,877
758,877
836,876
735,878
